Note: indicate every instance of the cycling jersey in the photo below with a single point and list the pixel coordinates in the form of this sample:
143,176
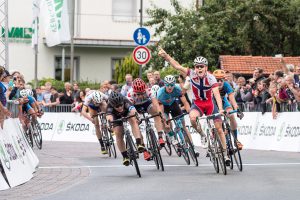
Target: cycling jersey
88,101
128,106
202,87
224,92
202,93
140,99
168,98
27,106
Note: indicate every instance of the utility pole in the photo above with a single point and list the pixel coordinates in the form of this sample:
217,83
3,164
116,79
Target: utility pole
72,42
141,25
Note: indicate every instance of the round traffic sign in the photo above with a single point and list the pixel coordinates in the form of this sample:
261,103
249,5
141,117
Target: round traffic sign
141,36
141,55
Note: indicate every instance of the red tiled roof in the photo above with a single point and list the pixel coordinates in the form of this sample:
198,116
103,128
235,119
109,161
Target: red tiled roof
246,64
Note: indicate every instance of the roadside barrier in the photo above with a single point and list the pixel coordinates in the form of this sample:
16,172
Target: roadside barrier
256,131
18,161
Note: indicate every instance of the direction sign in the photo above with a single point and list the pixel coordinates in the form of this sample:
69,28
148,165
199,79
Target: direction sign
141,36
141,55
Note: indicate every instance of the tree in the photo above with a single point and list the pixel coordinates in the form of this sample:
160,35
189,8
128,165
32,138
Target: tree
232,27
126,66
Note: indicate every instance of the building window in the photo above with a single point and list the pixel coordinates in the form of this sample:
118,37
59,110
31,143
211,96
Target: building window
114,62
58,68
124,10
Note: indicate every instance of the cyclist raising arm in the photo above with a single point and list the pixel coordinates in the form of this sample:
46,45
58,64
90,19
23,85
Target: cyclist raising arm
203,86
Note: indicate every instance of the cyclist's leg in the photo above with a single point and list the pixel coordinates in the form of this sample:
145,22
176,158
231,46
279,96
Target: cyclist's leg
136,131
152,110
93,112
194,113
118,130
233,128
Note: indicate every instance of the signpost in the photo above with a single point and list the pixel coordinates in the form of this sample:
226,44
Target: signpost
141,55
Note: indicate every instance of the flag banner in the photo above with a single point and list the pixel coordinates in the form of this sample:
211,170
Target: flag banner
35,21
56,21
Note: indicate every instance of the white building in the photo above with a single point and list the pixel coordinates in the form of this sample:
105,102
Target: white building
103,35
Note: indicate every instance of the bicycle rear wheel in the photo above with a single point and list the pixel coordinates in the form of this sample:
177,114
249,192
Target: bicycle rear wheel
220,153
184,147
37,134
132,153
29,135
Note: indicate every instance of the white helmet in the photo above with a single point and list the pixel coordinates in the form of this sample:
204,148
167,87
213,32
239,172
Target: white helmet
97,97
200,61
154,89
23,93
29,92
169,79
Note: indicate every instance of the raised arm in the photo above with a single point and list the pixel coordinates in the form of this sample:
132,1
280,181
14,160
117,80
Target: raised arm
172,62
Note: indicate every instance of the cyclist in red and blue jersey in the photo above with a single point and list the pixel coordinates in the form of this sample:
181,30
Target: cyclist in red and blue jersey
227,93
145,101
204,86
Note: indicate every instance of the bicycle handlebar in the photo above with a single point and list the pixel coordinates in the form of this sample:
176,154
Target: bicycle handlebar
152,116
122,119
177,117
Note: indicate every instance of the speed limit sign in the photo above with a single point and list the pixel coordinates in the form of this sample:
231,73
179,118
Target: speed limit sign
141,55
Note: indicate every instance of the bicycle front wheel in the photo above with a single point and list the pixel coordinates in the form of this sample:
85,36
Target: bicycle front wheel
191,151
156,151
168,145
132,153
220,153
236,154
37,134
112,147
212,150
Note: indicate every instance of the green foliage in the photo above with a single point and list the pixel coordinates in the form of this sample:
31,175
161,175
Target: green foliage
231,27
168,71
59,85
126,66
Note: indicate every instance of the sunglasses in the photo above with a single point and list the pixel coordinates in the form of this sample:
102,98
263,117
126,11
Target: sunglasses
170,85
220,80
118,106
199,66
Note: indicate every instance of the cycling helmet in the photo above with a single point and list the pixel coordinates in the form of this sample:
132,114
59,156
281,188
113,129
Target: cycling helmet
115,99
169,79
154,89
200,61
139,85
23,93
29,92
219,74
97,97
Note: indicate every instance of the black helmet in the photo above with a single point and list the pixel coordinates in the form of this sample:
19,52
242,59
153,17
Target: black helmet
115,99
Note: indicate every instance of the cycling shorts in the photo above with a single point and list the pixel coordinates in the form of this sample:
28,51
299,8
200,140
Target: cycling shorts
174,109
206,107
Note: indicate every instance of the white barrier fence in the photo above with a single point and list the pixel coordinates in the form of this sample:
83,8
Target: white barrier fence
17,158
256,131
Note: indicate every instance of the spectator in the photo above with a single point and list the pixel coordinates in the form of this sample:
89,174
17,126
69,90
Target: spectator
241,82
46,96
14,94
87,91
76,91
293,90
5,79
4,112
247,96
257,76
39,95
185,86
278,74
229,78
261,95
66,97
106,87
157,79
149,76
79,102
128,85
54,98
115,88
297,76
151,82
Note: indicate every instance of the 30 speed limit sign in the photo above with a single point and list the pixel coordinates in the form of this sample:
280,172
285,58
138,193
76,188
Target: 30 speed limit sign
141,55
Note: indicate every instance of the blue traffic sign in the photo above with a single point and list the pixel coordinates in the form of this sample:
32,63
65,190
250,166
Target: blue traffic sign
141,36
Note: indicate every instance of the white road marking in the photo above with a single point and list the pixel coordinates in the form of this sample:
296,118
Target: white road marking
200,165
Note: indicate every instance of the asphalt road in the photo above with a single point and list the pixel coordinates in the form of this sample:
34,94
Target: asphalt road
78,171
